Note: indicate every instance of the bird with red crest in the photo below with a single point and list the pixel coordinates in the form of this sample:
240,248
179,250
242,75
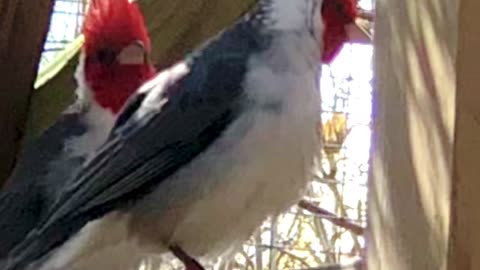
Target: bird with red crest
191,166
114,62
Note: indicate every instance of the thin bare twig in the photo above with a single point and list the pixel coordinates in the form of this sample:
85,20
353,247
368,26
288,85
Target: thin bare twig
357,265
287,253
339,221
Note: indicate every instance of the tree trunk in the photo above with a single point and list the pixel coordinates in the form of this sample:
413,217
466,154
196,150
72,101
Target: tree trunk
175,28
23,24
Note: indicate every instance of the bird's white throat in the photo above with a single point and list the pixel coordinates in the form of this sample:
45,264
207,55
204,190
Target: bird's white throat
98,120
293,14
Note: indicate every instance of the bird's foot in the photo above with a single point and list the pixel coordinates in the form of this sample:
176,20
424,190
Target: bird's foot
189,262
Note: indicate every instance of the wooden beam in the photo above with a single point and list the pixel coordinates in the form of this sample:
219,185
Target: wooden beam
465,229
23,24
414,127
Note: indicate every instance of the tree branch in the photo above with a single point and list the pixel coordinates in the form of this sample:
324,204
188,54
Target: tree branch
339,221
357,265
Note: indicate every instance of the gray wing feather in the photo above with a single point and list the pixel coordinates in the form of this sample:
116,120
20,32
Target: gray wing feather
42,169
138,155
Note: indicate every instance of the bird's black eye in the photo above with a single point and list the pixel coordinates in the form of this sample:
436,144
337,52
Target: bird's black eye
106,56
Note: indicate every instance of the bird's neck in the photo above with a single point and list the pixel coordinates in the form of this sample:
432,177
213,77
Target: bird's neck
84,95
97,119
292,24
285,15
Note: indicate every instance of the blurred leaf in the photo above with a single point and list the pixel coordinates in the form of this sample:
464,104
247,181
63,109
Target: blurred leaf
334,132
60,61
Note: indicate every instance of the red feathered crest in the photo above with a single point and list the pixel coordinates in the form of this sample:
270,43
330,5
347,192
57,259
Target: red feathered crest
339,11
114,24
336,15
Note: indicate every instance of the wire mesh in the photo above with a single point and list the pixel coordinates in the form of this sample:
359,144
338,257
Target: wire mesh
65,25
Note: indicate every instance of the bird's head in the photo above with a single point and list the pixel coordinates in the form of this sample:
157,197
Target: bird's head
116,52
340,26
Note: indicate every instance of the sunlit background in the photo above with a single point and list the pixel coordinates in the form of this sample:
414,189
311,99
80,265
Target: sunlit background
331,231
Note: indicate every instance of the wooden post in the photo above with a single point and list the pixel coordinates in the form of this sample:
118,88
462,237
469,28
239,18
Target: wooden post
465,229
23,28
414,129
